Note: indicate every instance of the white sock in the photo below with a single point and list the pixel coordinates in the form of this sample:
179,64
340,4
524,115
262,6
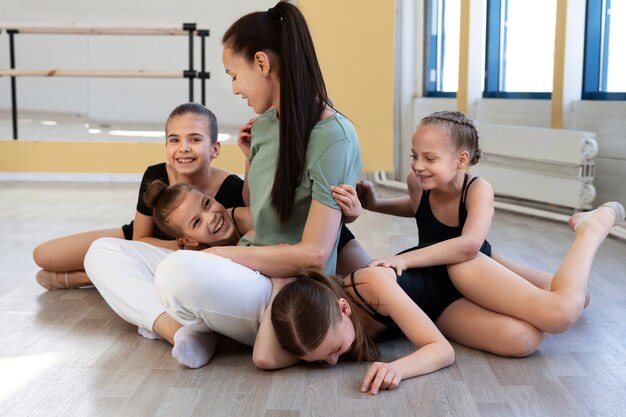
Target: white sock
148,334
194,349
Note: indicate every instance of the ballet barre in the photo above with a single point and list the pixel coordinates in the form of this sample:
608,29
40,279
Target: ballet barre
187,29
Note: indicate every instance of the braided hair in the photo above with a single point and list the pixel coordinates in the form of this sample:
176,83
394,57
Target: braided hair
461,130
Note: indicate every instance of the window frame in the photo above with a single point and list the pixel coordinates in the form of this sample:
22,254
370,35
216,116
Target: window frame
597,24
493,52
433,61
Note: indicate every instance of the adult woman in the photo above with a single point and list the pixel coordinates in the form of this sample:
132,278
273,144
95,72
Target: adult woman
373,305
190,147
271,60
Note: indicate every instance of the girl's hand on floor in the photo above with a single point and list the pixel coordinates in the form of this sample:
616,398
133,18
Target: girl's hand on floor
381,375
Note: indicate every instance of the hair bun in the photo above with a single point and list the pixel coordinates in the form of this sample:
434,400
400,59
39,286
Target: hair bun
153,193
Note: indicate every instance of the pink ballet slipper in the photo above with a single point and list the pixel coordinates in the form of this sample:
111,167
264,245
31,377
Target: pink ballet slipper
620,213
50,280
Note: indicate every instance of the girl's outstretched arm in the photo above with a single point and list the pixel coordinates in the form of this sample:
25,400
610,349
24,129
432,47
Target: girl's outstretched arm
401,206
480,212
433,350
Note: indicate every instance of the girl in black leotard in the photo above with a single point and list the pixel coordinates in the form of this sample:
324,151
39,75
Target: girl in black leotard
453,209
190,147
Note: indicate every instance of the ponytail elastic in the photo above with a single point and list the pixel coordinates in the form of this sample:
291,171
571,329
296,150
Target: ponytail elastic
274,13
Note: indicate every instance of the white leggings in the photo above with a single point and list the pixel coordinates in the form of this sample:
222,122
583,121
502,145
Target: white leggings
203,291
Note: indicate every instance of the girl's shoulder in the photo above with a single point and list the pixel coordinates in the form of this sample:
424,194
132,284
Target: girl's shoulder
371,283
478,187
219,175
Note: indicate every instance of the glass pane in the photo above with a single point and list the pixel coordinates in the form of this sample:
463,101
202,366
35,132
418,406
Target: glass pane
616,65
528,45
450,51
444,39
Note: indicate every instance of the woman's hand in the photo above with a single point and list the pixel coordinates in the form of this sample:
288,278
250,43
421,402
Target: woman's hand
381,375
245,137
346,196
396,262
365,192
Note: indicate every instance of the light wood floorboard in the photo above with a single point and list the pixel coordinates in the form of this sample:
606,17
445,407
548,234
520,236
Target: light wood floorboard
66,353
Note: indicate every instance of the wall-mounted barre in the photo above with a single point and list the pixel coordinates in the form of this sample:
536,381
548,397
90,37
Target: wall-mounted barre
188,29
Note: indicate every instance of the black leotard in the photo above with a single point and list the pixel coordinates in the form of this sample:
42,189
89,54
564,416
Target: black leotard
430,288
230,194
430,230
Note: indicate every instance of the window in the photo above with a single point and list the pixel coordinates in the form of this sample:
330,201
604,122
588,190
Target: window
442,74
519,60
605,63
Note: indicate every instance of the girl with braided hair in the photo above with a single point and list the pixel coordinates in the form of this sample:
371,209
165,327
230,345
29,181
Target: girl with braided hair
453,211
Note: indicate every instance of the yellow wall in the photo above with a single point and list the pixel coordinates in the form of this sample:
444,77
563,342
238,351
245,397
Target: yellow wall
95,157
355,45
354,41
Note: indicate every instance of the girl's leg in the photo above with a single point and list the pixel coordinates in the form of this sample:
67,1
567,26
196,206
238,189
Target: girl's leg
208,293
123,272
499,289
473,326
352,257
62,259
539,279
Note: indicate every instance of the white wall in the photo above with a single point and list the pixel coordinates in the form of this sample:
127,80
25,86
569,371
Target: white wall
132,100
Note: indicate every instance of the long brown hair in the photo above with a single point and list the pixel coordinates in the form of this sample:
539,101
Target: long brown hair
164,199
305,309
283,31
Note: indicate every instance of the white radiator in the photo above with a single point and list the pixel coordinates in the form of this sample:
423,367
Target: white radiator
552,167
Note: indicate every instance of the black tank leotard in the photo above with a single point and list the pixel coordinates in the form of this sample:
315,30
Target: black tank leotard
430,230
430,288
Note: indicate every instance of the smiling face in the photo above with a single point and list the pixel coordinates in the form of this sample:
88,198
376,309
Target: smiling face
337,341
201,219
434,159
188,145
252,80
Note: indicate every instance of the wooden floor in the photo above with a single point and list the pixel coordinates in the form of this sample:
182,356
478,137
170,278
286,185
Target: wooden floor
66,353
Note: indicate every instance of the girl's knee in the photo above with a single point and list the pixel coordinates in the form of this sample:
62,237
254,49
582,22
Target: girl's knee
564,313
172,274
520,340
97,248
